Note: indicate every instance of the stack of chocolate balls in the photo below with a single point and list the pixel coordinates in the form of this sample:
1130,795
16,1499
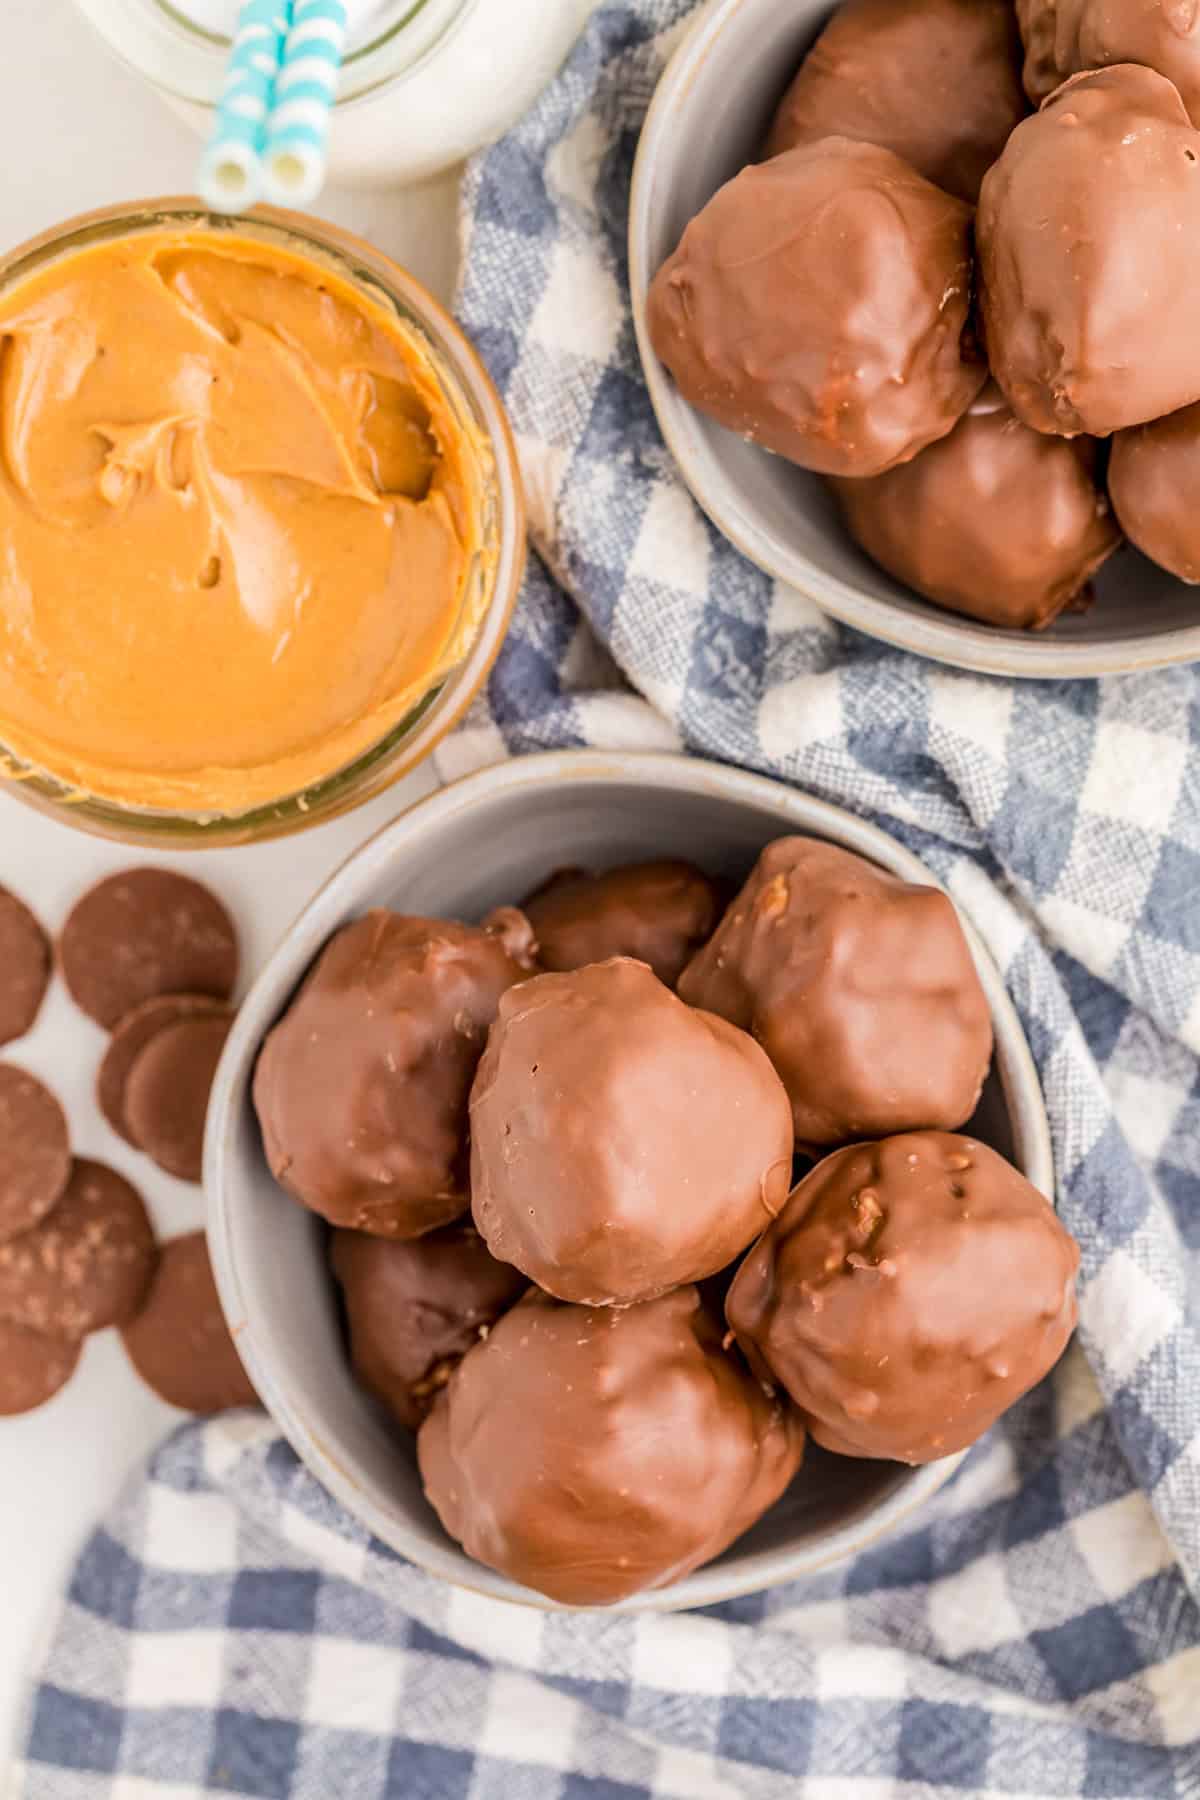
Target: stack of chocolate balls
960,311
556,1151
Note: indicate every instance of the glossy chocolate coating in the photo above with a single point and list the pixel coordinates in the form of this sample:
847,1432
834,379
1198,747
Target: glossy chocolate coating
362,1088
415,1309
936,81
621,1143
860,987
817,306
908,1294
996,521
1088,236
1154,485
591,1453
1064,36
658,912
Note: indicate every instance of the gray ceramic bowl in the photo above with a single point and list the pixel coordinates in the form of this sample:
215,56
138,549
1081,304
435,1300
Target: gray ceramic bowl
708,119
481,842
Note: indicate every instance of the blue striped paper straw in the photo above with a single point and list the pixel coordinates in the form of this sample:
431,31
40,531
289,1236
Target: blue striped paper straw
298,131
231,170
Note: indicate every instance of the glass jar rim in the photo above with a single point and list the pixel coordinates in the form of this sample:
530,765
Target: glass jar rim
157,40
467,386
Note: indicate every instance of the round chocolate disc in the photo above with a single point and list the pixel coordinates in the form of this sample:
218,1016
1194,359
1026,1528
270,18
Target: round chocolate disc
32,1367
166,1094
179,1342
84,1267
24,967
35,1151
143,933
130,1038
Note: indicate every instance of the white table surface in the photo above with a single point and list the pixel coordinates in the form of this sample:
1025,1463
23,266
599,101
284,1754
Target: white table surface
76,131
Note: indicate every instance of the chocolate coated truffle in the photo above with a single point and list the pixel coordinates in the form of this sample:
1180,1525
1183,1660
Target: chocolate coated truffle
1089,256
658,912
1064,36
622,1144
362,1088
908,1294
590,1453
996,521
1154,484
936,81
415,1309
817,306
860,987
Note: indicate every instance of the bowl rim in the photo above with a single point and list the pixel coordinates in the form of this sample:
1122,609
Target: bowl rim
943,636
345,892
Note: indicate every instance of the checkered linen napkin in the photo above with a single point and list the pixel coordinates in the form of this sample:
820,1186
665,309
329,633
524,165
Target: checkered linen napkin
1035,1631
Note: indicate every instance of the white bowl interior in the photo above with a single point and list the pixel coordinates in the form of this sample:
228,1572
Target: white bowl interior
708,120
483,842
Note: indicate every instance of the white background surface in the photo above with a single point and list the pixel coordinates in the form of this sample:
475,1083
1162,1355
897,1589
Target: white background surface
76,131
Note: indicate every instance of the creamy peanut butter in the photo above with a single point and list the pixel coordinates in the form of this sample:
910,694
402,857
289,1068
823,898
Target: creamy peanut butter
237,519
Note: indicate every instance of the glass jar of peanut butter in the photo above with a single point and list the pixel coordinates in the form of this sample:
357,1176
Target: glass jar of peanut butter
260,523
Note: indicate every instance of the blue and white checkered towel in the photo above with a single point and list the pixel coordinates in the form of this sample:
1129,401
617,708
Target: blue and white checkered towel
1035,1632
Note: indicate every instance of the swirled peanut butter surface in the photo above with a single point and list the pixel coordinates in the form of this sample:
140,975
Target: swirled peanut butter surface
236,522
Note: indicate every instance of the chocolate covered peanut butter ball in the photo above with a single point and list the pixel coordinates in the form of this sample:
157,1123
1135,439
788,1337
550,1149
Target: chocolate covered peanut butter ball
996,521
817,305
1088,236
860,987
658,912
593,1452
1154,485
1063,37
936,81
908,1294
361,1089
414,1309
622,1143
